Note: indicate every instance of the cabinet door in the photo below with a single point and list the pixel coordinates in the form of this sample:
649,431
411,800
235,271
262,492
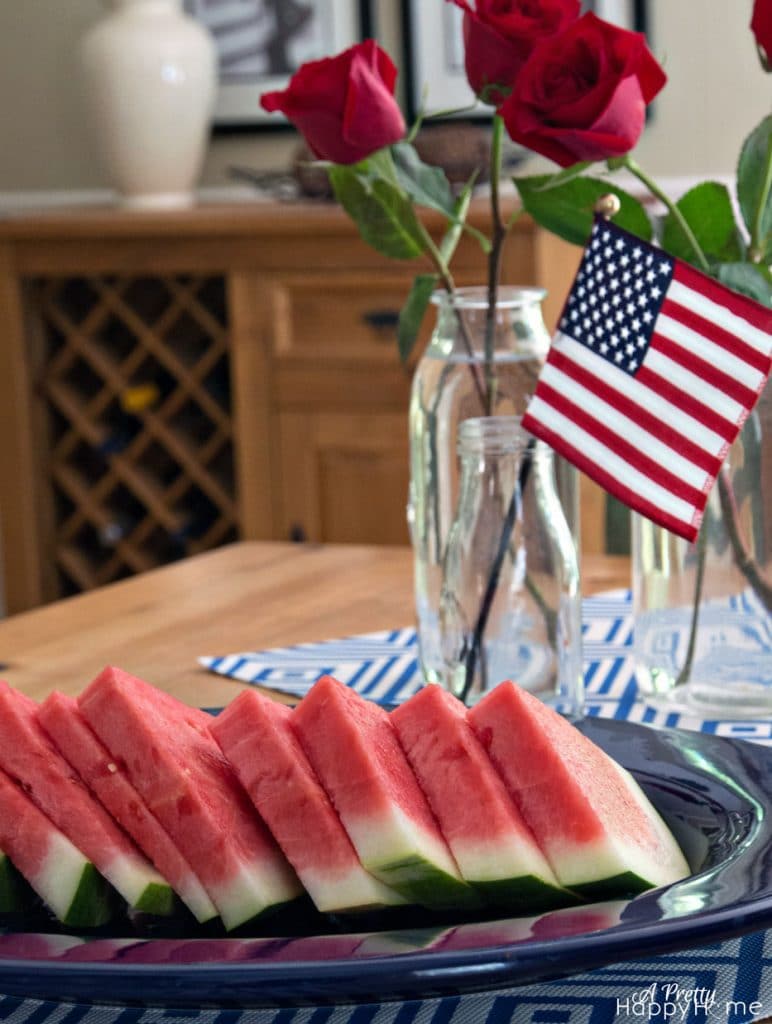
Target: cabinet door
344,476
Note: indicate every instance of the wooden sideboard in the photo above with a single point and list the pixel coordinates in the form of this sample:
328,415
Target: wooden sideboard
173,381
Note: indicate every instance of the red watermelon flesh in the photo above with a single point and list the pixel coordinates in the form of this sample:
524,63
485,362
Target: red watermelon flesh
59,873
170,756
256,736
29,757
78,743
354,751
492,845
598,830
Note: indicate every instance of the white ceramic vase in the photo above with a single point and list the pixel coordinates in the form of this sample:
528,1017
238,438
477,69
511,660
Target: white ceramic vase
150,75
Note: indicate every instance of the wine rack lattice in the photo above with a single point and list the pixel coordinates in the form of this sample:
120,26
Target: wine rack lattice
135,382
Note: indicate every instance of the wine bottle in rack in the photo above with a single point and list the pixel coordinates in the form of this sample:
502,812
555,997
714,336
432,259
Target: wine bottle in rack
124,420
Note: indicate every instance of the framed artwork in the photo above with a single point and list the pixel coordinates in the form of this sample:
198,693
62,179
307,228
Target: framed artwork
434,53
434,61
261,43
626,13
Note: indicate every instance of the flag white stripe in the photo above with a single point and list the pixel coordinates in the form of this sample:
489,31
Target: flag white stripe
692,384
606,459
711,353
721,316
625,428
680,421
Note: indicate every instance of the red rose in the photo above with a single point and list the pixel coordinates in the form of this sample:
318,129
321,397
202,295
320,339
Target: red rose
761,24
582,94
499,36
344,106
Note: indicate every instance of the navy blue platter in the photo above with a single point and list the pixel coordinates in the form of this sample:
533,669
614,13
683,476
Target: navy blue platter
714,794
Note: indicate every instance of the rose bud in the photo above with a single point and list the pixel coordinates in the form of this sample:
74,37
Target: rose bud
343,106
582,94
499,36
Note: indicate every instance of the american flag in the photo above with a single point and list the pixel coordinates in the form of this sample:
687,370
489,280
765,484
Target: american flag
652,372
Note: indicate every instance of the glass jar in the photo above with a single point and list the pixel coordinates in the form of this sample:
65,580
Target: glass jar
703,611
448,388
510,605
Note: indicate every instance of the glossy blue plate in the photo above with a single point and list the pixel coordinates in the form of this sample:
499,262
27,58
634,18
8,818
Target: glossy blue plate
713,793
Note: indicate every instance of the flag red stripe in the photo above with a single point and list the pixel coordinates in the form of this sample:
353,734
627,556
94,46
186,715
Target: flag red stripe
718,335
688,403
627,406
619,446
710,374
610,483
741,305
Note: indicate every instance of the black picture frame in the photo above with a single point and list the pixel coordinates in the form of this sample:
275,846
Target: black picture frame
433,54
244,49
632,14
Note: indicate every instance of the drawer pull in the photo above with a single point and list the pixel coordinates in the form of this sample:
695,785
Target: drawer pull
382,320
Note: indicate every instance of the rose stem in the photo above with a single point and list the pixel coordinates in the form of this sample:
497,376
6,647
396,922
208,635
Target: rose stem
745,562
494,259
702,543
446,277
755,250
491,587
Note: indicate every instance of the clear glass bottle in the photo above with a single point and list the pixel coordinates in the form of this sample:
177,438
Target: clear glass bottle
510,605
703,611
448,386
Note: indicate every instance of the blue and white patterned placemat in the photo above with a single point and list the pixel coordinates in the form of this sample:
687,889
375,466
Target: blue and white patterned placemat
383,666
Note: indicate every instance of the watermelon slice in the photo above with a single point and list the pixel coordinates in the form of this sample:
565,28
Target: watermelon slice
598,830
61,718
492,845
170,756
66,881
29,757
354,750
255,735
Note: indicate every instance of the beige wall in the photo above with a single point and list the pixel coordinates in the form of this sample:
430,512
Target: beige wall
715,95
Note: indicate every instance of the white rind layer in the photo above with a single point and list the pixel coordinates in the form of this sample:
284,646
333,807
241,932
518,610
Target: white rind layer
196,898
671,865
132,876
495,860
582,864
252,891
392,838
59,877
353,890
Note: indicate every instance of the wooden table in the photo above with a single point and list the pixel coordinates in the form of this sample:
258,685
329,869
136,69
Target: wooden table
242,597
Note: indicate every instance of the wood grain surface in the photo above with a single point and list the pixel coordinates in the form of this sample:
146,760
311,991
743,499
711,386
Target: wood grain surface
243,597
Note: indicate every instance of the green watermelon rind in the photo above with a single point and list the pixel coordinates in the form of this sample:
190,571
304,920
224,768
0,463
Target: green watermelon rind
15,892
526,894
157,899
93,902
626,884
244,927
420,881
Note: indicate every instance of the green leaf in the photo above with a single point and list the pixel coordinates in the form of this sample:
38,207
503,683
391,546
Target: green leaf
754,187
748,279
412,313
426,185
567,174
567,210
707,209
384,215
